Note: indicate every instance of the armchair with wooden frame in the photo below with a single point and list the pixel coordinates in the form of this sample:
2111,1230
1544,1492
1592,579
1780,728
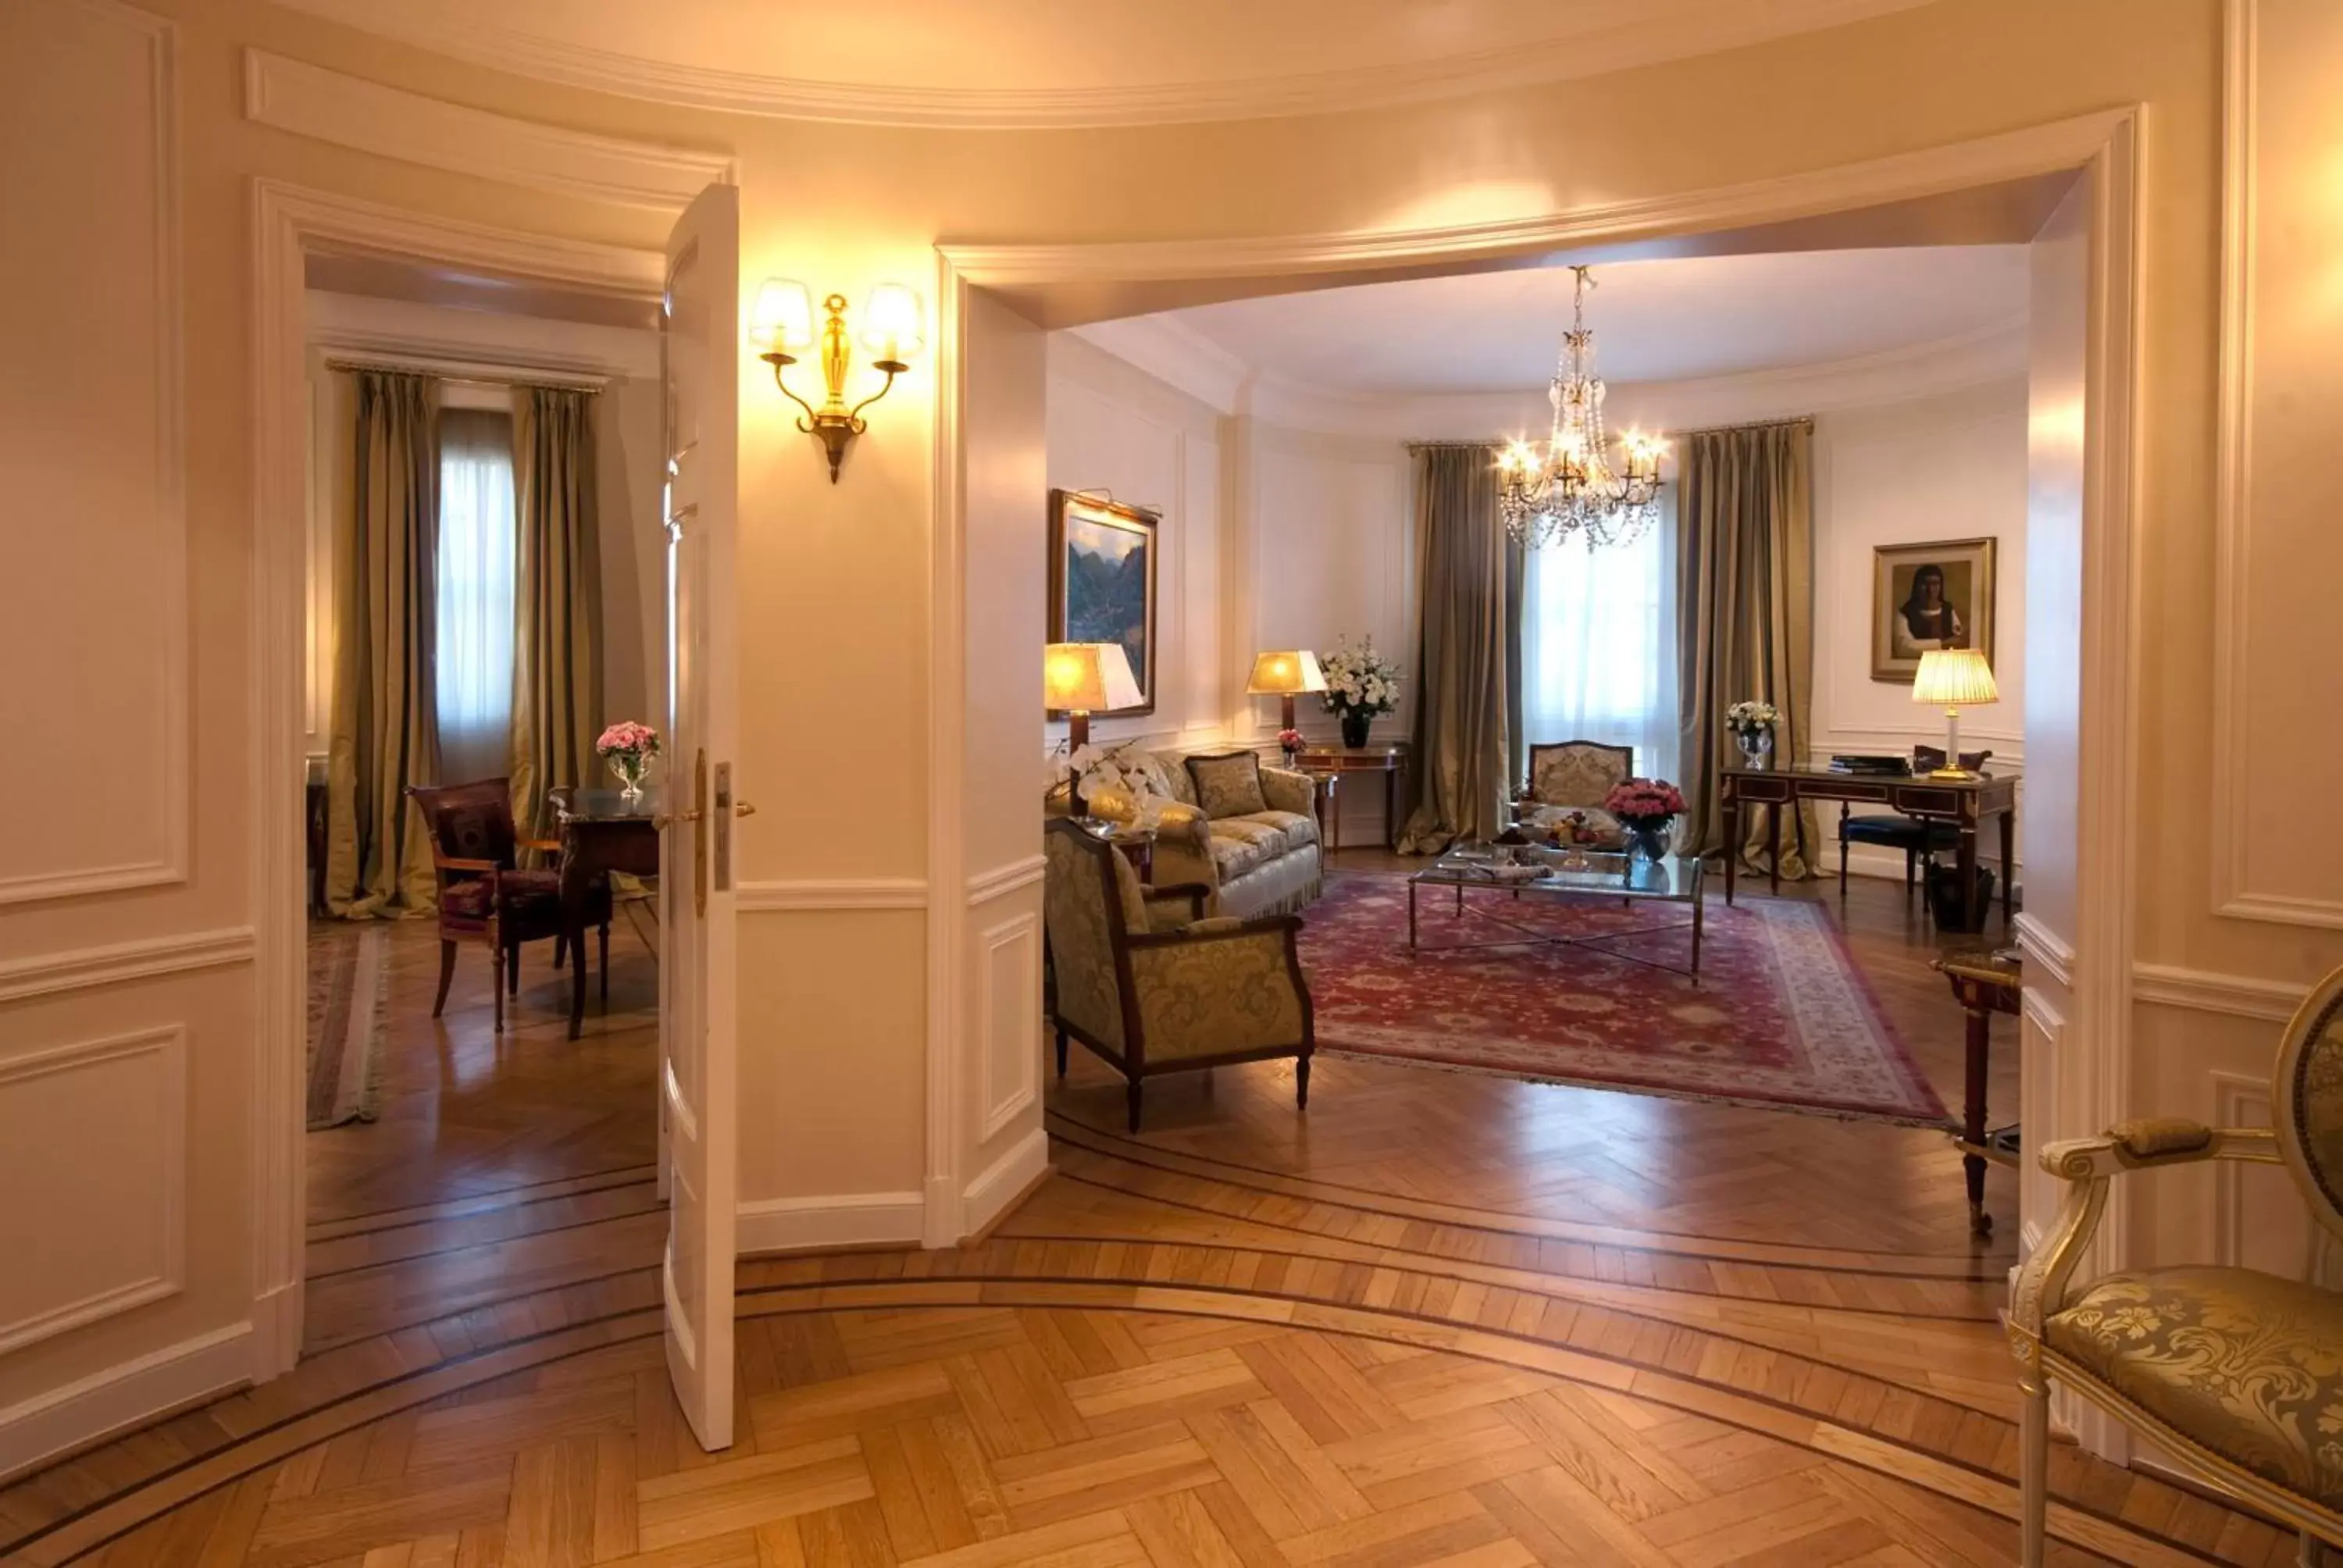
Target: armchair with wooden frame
1138,976
485,896
2235,1374
1569,779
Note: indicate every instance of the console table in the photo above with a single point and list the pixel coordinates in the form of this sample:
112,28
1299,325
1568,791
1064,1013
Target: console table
602,831
1984,983
1335,762
1967,803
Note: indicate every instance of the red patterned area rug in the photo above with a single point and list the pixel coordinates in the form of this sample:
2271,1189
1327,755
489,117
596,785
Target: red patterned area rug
1781,1018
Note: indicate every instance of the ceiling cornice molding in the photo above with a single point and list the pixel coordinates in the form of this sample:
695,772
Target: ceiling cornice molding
1174,352
1918,370
1716,26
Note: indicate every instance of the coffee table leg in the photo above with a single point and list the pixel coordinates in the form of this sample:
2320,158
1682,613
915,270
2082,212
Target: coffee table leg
1699,910
1732,842
1410,917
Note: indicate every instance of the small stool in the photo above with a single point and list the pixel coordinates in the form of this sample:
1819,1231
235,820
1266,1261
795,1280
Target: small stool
1916,836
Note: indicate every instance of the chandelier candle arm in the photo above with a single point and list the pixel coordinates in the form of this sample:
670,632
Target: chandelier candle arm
1571,485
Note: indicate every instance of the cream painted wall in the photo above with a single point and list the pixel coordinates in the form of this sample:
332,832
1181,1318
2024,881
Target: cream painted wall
837,744
627,470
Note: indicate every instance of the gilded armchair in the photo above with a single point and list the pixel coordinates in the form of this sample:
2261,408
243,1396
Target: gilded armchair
2235,1373
1136,975
1568,781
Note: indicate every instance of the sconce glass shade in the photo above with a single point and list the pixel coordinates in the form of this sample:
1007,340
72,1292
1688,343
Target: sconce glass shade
1087,678
894,324
1284,674
1956,677
783,319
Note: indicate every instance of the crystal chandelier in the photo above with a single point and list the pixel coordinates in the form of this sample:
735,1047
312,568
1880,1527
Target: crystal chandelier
1568,485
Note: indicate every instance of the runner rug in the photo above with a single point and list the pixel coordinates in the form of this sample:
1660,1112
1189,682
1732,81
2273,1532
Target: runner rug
1781,1017
348,975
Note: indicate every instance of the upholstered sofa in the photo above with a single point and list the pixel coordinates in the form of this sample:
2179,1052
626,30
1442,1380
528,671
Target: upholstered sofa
1256,862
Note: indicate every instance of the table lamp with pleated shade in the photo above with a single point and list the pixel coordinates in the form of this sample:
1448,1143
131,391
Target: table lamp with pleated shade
1080,679
1286,674
1957,677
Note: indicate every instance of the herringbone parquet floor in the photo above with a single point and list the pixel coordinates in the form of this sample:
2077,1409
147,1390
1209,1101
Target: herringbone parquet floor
1438,1320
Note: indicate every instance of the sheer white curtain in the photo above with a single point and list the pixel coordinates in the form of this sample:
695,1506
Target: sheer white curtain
1599,644
476,595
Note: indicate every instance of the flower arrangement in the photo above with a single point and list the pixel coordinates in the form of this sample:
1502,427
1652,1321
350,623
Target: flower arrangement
1750,717
1290,742
1082,776
1645,807
628,747
1361,683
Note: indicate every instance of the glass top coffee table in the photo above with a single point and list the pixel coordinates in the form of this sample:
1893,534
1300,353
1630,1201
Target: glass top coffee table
1502,874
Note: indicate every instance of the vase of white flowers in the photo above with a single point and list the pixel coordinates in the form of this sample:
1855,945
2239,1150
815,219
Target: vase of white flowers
1752,723
1361,684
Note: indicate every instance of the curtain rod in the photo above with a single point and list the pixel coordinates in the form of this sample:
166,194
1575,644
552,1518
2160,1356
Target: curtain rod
1805,419
474,375
1453,446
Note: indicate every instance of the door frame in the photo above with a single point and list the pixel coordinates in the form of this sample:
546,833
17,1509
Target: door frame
288,223
2093,965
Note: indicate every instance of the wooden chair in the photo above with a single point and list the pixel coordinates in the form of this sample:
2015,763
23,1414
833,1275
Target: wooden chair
485,895
2234,1373
1574,776
1139,978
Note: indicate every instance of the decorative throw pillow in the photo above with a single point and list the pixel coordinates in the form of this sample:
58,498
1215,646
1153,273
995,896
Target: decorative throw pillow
1227,786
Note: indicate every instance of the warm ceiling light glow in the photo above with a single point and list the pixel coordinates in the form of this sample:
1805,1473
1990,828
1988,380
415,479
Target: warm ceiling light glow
894,324
782,318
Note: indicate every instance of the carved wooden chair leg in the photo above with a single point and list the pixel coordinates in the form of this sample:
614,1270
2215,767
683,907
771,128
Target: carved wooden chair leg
496,976
559,944
1131,1094
447,974
605,961
2033,1468
1301,1082
1061,1053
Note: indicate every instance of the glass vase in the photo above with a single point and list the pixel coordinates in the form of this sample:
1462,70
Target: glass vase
1647,837
1756,747
630,766
1355,727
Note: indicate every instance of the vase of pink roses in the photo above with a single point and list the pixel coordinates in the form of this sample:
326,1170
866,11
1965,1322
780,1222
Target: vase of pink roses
1645,808
628,747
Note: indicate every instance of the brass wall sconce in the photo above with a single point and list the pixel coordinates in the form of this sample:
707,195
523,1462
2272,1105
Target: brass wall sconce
892,333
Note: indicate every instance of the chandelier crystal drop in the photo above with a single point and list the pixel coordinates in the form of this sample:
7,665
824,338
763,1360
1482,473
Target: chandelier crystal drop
1568,485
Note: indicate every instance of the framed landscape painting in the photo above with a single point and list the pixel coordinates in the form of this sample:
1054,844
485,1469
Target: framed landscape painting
1102,581
1925,596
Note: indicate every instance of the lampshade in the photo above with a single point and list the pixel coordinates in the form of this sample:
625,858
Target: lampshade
1954,676
1284,674
1087,678
894,325
782,318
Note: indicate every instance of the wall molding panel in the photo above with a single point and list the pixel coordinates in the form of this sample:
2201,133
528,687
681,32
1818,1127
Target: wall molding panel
163,757
110,1215
1009,1015
1002,881
118,963
1006,1179
2045,947
121,1397
835,896
2245,456
351,112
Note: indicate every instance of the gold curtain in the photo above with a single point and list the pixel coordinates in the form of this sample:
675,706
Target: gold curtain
1745,619
1470,613
557,599
384,732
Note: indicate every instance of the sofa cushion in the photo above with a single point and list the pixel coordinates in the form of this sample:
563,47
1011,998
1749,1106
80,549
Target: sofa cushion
1293,831
1229,785
1167,779
1241,847
2249,1365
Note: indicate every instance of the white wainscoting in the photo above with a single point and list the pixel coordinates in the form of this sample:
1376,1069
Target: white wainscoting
104,1121
2207,991
1009,1016
95,346
831,896
117,963
311,101
131,1395
1006,1179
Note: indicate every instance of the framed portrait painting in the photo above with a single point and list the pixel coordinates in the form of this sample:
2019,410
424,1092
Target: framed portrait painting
1102,581
1927,595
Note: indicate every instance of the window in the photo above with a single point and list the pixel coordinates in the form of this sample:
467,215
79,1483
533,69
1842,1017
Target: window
1599,644
476,595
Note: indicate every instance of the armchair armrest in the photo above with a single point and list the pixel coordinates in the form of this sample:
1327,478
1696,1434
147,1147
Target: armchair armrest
1287,789
1195,896
550,846
454,863
1183,849
1221,987
2088,1165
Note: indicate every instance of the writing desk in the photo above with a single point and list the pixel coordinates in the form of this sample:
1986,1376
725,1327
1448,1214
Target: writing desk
1967,803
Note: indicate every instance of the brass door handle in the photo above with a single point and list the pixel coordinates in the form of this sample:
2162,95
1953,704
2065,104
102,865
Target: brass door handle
743,808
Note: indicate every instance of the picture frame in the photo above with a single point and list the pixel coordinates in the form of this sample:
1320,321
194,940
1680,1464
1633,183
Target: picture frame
1910,614
1102,577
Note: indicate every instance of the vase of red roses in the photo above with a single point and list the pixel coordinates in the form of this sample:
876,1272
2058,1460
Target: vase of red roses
1646,808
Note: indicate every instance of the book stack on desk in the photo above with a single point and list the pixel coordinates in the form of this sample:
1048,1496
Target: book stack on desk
1871,766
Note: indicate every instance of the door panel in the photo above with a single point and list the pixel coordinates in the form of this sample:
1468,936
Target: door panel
696,1067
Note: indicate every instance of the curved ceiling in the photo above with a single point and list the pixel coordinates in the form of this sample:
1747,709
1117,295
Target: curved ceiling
1680,319
1067,63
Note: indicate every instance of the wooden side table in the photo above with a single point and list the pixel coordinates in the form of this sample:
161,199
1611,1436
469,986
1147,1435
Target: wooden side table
1985,983
1328,764
1138,847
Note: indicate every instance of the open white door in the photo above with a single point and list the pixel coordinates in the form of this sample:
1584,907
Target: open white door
696,1048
